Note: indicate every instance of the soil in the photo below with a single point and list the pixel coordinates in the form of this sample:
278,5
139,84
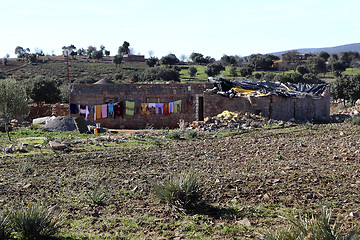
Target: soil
261,175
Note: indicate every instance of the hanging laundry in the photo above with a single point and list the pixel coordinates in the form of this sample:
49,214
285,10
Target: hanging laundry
166,109
152,108
104,111
111,109
145,108
177,108
73,108
82,110
171,107
119,109
159,108
98,111
130,108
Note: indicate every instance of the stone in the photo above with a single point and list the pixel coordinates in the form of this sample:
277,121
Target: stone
54,145
245,222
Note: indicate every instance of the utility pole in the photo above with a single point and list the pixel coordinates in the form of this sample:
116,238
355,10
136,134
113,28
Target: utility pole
67,53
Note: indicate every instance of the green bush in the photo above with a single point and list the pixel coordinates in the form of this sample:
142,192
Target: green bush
191,134
182,193
310,228
175,134
35,222
354,120
98,196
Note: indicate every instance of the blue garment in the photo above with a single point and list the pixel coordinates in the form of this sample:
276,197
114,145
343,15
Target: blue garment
111,109
73,108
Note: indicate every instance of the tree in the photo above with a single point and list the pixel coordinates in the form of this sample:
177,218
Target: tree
124,49
152,61
338,67
13,102
324,55
301,69
192,71
42,90
198,58
90,51
169,60
117,59
21,52
245,71
233,71
98,54
213,69
316,65
81,52
228,60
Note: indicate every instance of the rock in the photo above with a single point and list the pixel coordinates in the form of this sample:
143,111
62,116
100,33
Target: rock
354,214
54,145
245,222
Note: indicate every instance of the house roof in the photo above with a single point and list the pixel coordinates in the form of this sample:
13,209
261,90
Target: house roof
104,81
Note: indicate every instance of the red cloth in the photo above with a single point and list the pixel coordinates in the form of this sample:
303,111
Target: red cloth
83,110
119,109
166,109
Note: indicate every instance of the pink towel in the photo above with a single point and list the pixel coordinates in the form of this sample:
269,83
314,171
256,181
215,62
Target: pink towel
104,111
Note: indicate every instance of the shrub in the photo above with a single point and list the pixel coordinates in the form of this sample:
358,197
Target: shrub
175,134
5,226
191,134
35,222
311,228
26,168
98,196
354,120
182,193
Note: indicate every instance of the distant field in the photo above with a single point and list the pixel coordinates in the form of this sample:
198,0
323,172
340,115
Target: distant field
89,71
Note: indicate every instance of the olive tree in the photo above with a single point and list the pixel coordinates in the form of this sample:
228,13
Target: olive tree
13,102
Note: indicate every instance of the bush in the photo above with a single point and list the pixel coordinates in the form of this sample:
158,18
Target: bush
191,134
182,193
35,222
354,120
311,228
157,73
175,134
98,196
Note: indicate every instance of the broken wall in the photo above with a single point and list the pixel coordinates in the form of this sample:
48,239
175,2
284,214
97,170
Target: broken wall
301,108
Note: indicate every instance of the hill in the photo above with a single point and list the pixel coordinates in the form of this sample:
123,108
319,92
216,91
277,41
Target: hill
343,48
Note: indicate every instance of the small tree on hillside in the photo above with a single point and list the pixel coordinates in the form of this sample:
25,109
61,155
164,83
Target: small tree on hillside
117,59
98,55
152,61
192,71
13,102
42,90
214,69
169,60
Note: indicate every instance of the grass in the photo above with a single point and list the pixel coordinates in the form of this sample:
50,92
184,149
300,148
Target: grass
35,222
311,228
182,193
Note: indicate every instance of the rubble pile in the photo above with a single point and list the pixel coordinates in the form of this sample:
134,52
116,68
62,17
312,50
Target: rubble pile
235,120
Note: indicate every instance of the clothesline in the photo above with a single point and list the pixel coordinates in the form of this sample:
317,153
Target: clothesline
107,110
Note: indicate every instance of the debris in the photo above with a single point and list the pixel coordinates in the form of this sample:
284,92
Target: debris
236,120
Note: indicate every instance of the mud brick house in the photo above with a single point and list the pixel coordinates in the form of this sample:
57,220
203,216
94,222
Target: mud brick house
164,105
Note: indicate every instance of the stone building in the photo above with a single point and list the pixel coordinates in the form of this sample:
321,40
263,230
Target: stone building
164,105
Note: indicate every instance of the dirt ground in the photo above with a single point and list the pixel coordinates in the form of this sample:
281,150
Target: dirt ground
259,176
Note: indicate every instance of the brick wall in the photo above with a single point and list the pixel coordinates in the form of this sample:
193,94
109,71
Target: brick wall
192,95
89,94
275,107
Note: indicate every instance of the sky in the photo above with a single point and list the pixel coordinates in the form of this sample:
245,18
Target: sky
212,28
